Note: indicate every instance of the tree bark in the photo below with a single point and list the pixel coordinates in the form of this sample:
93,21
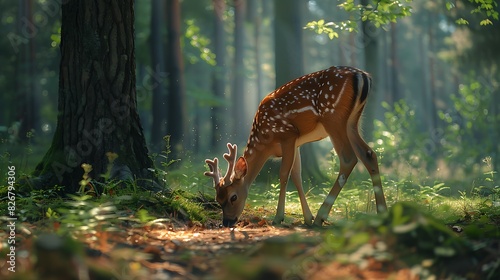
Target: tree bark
97,97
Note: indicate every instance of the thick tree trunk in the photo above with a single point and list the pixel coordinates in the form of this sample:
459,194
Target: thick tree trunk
176,115
97,97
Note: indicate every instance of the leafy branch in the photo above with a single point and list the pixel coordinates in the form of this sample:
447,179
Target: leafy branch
485,8
380,13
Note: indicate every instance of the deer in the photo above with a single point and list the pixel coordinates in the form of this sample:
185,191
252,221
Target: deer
326,103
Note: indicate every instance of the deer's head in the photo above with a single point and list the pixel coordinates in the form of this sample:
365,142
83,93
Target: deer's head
231,193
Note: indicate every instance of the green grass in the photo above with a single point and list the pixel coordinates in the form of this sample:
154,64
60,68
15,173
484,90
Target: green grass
422,212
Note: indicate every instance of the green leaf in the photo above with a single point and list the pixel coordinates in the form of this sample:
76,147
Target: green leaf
332,35
486,22
461,21
444,251
404,228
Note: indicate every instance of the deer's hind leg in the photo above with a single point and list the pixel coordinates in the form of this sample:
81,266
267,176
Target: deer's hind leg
348,160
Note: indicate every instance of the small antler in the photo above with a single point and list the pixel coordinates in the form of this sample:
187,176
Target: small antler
231,159
214,170
214,167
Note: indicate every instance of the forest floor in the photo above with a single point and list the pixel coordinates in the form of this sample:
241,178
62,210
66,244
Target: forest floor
254,249
251,251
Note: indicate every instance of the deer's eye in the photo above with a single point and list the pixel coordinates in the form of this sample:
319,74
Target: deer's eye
234,198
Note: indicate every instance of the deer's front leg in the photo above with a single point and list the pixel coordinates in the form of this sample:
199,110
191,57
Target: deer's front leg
297,180
288,157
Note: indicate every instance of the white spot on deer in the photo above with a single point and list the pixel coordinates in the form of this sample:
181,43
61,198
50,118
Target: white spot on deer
330,199
330,88
342,180
381,208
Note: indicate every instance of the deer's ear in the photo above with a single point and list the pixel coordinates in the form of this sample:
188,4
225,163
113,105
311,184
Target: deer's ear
240,169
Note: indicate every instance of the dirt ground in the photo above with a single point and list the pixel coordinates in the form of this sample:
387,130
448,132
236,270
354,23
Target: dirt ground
164,251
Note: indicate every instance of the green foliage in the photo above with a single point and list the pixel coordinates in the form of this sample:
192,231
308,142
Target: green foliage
397,136
383,12
56,38
432,194
406,233
329,28
380,13
483,8
82,215
468,123
199,42
164,160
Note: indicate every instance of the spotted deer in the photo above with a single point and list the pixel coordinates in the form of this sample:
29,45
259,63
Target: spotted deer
324,103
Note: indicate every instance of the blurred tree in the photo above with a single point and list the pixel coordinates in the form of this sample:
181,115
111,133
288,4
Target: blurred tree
97,98
395,95
254,16
289,63
158,127
176,106
238,93
219,72
29,101
288,40
370,49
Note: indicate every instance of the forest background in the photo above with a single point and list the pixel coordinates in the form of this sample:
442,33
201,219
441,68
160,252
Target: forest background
201,69
434,105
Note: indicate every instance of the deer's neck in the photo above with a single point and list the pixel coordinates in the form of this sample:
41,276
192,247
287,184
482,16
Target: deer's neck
255,161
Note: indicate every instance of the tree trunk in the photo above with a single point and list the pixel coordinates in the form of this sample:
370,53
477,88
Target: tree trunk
370,47
238,101
158,129
97,97
29,101
289,64
219,74
176,114
395,94
288,49
432,110
257,21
